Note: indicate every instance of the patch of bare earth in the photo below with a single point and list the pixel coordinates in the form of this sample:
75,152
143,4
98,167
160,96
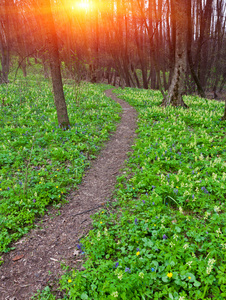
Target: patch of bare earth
26,268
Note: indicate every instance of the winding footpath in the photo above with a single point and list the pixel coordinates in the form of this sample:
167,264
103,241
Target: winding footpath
27,268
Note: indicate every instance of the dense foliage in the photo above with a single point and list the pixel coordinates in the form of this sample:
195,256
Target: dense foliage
164,237
39,161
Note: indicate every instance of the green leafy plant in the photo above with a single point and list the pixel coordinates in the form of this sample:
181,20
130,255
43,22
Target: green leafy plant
39,162
165,235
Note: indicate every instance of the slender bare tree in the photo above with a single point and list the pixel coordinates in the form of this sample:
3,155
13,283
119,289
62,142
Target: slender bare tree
4,41
174,96
52,46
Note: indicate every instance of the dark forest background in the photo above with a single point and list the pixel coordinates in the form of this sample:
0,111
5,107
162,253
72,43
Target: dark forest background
126,43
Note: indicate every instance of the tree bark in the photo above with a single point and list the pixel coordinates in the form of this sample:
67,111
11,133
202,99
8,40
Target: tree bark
201,92
52,46
175,91
5,64
4,41
222,82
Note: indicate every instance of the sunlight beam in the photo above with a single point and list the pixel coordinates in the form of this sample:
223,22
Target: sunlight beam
81,5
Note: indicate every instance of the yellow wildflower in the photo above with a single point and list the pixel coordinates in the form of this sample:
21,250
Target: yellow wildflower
69,280
170,275
138,253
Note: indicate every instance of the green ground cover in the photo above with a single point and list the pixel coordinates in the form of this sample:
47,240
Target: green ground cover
165,236
39,162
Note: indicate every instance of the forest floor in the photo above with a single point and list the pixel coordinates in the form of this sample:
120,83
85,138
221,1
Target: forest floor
220,96
38,256
209,94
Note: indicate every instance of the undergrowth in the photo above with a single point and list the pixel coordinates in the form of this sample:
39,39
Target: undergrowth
164,236
40,162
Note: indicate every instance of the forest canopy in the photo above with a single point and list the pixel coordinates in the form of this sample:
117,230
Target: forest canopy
132,43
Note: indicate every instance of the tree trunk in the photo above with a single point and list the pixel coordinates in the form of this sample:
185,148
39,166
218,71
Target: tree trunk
54,59
206,60
190,62
4,41
222,82
174,96
45,66
5,64
135,75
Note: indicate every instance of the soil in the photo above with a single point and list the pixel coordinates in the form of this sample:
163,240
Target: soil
36,260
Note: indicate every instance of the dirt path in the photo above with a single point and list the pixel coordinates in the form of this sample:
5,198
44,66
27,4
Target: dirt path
43,250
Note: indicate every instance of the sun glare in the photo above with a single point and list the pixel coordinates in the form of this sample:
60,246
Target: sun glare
81,5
